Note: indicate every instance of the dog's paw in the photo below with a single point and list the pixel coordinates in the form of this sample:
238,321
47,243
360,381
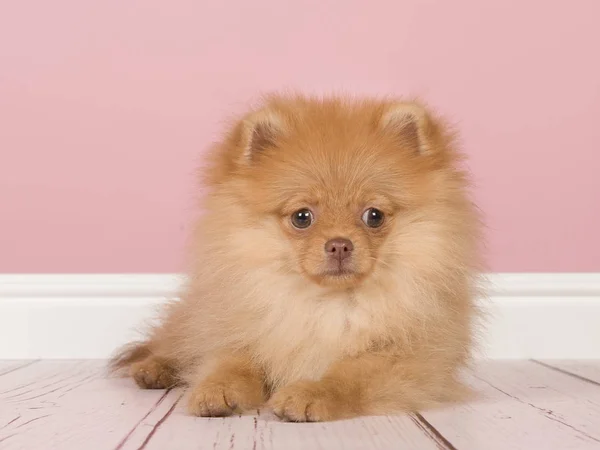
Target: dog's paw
223,398
308,401
153,373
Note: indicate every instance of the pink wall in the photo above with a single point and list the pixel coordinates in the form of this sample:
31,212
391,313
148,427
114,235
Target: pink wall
105,107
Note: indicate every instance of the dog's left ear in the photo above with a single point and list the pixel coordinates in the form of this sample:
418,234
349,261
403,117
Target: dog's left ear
261,130
411,124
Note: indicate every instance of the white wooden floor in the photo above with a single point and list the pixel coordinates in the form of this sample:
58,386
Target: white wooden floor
73,405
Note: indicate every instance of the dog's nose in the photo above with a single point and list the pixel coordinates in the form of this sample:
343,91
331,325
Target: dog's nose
339,248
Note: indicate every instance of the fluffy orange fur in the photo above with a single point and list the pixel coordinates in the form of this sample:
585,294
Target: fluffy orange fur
266,316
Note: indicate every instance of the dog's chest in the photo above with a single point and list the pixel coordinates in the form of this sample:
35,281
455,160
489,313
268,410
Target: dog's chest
302,340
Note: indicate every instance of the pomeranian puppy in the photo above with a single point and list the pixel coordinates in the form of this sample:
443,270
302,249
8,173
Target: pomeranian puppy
333,272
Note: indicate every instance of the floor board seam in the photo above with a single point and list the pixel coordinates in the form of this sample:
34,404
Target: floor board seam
430,431
27,364
128,435
159,423
566,372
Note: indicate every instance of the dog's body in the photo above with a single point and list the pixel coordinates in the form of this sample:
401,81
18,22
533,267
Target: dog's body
333,271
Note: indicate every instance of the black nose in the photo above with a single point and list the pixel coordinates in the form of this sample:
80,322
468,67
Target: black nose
339,248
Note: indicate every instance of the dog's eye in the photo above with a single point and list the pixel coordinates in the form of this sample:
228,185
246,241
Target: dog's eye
302,218
373,218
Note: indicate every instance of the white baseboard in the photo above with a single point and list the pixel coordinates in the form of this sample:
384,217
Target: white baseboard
551,316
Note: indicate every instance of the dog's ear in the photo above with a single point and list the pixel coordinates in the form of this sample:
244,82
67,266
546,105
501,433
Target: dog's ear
261,131
411,124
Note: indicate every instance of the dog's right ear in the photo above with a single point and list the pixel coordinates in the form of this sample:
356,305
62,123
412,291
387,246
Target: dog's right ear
261,131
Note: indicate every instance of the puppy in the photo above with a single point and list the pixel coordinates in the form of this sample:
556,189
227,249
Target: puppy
333,271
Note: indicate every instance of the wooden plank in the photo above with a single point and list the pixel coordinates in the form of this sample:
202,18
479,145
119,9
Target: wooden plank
263,431
523,405
73,405
70,405
587,370
560,396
